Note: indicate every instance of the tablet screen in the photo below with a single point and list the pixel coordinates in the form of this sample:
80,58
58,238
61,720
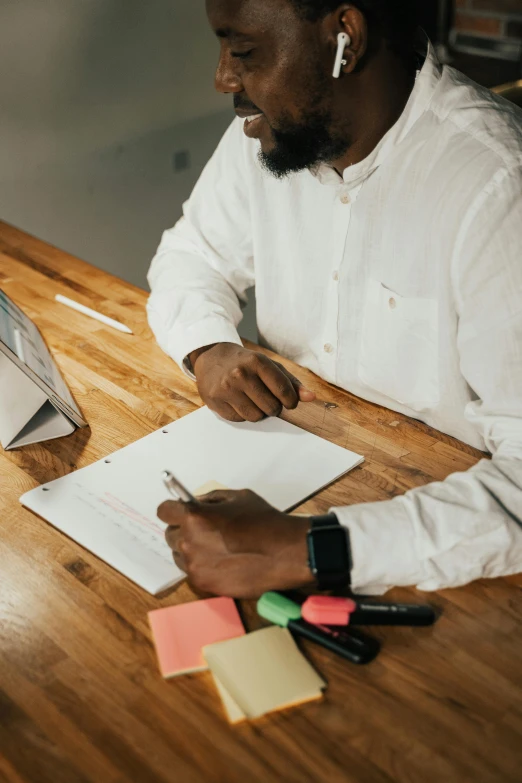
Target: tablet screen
20,335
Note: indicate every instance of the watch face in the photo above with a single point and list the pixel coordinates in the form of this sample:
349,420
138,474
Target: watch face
330,550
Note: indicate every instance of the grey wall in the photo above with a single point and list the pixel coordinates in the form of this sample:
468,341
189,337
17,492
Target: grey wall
110,206
95,98
78,75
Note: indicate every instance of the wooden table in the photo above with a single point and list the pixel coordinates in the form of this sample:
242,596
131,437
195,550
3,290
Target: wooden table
80,694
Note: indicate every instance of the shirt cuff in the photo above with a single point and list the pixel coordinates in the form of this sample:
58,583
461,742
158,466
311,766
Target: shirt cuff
383,546
183,340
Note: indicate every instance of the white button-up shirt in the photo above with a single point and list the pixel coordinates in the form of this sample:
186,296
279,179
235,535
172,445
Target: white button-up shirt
400,282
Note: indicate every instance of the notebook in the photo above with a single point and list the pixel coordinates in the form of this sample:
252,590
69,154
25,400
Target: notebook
110,507
180,632
264,671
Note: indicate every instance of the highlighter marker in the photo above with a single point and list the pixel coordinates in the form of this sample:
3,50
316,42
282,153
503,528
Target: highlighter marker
330,610
353,646
393,614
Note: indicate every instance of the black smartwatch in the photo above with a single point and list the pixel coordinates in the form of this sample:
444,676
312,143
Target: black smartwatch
329,552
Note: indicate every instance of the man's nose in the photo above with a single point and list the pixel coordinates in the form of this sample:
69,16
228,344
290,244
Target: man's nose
227,80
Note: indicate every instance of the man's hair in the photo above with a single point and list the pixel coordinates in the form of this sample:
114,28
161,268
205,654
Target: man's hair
394,20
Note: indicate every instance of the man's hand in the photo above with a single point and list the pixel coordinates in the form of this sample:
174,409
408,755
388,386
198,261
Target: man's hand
242,385
235,544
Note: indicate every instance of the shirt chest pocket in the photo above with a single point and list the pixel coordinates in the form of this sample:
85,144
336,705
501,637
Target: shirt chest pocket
399,347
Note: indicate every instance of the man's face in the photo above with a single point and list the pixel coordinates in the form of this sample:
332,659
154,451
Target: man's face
278,67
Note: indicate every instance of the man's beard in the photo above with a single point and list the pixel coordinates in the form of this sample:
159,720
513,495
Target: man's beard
303,146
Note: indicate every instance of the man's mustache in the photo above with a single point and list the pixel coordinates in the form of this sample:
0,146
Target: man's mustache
240,105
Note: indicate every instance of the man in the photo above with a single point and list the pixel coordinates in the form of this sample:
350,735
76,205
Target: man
379,216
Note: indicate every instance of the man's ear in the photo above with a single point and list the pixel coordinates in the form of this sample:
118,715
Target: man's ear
350,20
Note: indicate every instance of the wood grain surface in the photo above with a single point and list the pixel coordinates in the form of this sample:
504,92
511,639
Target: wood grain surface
81,698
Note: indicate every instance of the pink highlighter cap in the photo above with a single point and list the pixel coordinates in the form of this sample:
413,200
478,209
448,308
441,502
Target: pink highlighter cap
327,610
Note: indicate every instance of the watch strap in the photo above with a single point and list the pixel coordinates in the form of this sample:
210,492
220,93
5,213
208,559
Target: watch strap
327,581
325,520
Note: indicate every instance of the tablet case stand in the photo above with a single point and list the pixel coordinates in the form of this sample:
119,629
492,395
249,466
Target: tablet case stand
27,414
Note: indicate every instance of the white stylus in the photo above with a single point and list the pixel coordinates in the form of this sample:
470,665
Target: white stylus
92,314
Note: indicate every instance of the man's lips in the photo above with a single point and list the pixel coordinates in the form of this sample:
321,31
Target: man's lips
247,115
253,122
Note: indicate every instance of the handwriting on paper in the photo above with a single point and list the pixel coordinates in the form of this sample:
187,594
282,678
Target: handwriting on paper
147,532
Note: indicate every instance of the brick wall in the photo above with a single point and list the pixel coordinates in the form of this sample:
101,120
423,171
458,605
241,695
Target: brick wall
491,18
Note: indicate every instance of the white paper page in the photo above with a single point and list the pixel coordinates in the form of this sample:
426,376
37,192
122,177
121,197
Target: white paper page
110,506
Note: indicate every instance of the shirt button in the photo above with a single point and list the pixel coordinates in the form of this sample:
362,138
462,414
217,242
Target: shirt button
328,348
345,198
392,303
335,275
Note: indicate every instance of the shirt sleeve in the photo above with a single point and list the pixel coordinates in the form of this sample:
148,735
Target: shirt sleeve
468,527
204,265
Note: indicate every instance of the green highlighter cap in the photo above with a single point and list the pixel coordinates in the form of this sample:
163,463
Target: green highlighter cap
278,609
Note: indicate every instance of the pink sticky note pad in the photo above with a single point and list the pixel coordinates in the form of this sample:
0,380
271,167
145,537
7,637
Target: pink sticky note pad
327,610
180,632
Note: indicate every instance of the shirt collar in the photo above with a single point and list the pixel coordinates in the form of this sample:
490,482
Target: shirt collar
425,85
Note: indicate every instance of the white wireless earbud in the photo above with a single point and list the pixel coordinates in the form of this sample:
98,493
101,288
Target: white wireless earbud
343,40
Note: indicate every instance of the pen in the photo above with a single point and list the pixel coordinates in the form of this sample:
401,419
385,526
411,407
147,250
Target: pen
92,314
176,488
353,645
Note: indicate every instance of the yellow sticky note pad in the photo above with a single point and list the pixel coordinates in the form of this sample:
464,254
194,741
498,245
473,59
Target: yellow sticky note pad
233,711
210,486
263,671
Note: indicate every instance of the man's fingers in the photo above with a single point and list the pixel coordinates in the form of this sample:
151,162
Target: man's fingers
278,382
217,496
171,512
226,411
254,388
263,398
172,536
305,395
295,381
244,407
